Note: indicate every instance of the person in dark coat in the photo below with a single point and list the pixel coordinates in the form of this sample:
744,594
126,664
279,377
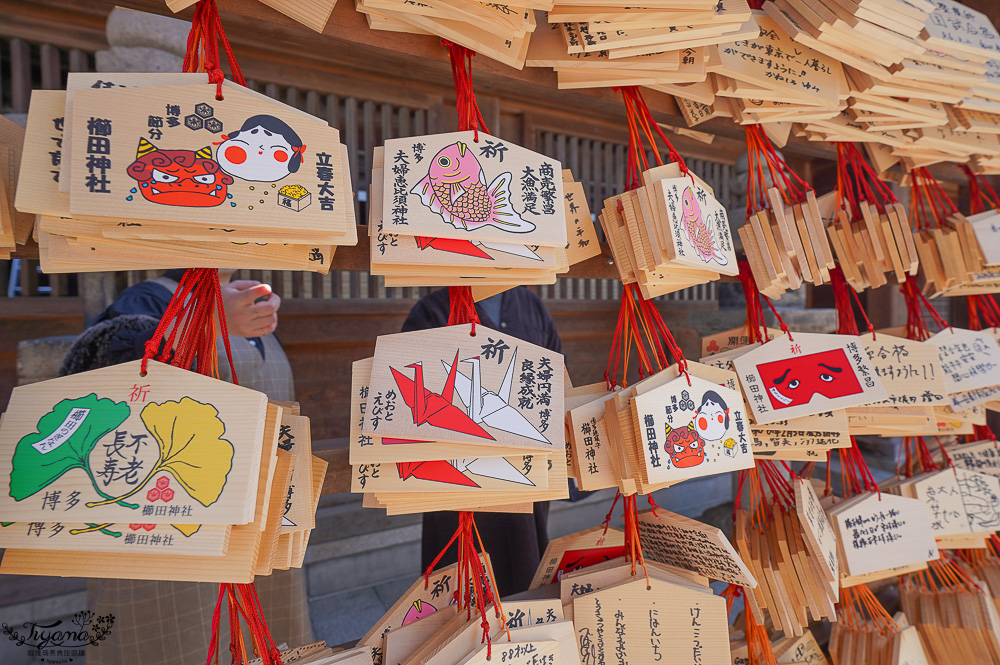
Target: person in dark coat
515,542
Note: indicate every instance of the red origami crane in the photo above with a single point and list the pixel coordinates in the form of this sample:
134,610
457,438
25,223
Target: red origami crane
436,409
455,246
438,471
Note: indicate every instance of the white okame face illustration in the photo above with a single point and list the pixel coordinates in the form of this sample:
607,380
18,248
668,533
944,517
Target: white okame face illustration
257,155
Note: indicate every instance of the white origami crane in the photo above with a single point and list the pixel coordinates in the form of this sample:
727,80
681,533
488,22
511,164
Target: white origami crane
491,467
493,408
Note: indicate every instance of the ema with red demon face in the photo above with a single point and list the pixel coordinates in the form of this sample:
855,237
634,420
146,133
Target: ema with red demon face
794,381
685,446
179,177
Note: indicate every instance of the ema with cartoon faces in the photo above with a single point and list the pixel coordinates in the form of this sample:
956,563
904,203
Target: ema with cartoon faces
794,381
265,149
711,420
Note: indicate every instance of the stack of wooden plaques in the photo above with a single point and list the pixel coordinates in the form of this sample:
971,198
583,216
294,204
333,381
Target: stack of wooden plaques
876,243
598,604
498,447
929,602
154,172
793,557
466,208
15,226
176,477
669,234
311,13
772,79
786,245
630,440
955,259
661,45
497,31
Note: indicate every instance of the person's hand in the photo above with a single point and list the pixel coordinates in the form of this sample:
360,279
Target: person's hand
245,317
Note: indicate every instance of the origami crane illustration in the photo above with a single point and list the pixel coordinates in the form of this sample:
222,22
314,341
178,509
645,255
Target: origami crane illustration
435,408
454,472
493,408
471,248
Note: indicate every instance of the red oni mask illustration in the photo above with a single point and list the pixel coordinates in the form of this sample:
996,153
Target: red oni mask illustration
179,177
794,381
685,447
577,559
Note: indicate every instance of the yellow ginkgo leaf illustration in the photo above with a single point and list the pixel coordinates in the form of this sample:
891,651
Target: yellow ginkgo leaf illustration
192,449
187,529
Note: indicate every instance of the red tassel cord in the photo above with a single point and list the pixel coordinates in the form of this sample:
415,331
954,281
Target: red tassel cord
475,587
202,53
768,169
982,196
640,326
187,332
856,477
470,118
858,184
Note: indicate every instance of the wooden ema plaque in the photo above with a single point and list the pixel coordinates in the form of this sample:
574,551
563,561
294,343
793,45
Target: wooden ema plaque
116,538
454,186
910,371
971,361
70,244
299,514
636,622
807,373
576,551
881,532
249,552
422,599
692,430
250,161
510,391
685,543
113,446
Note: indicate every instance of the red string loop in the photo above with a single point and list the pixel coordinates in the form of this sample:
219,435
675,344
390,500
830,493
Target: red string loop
469,115
462,307
203,47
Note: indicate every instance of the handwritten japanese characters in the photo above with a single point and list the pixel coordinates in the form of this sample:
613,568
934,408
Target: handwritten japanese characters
776,63
878,532
971,361
820,538
692,430
113,446
910,371
650,622
509,392
806,373
685,543
465,187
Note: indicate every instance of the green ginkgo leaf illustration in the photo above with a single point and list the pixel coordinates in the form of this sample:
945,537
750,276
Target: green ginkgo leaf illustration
65,438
